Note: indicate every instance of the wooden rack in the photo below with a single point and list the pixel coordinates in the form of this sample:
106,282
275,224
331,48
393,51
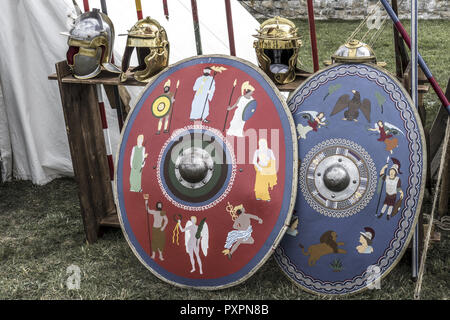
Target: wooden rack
87,144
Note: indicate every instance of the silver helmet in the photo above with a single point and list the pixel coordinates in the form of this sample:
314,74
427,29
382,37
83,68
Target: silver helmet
91,40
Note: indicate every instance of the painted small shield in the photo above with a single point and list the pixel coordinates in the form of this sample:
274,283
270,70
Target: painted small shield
361,179
249,110
205,194
161,106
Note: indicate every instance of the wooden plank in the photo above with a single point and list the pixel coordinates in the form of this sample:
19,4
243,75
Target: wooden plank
422,89
289,87
126,99
105,77
88,151
110,221
438,127
445,186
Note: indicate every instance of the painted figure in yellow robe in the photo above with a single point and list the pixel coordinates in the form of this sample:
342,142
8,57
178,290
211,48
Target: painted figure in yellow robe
266,171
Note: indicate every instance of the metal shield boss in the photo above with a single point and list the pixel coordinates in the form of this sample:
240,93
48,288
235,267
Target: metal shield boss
361,179
204,193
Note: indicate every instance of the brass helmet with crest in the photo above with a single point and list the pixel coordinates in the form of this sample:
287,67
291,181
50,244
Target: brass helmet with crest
277,47
152,49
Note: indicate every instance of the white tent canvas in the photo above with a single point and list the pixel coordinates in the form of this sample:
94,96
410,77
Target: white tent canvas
33,140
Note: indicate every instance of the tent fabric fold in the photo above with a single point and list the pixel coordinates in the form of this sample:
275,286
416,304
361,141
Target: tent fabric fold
33,140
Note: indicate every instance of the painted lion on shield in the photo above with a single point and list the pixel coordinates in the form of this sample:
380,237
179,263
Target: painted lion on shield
327,245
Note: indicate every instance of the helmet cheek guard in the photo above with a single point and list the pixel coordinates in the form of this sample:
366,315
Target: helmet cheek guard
90,45
152,49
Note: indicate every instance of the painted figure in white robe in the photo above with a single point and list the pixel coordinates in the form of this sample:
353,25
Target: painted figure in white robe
237,123
195,237
204,88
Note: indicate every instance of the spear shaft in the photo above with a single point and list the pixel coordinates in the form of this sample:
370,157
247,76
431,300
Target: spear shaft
115,88
166,9
230,27
198,40
86,5
173,106
207,95
398,25
139,9
229,102
312,34
101,106
382,186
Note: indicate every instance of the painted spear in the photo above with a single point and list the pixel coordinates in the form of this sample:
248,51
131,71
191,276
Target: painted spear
230,28
139,9
166,9
229,103
216,71
101,107
382,185
198,40
173,105
86,5
115,88
146,198
398,25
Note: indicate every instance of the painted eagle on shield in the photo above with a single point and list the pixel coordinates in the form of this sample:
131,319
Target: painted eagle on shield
352,106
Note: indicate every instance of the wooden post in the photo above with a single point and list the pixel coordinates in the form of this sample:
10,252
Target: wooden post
443,198
312,35
88,151
436,137
401,57
230,28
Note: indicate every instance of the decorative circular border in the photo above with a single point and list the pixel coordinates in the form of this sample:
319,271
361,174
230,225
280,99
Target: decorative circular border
288,199
413,195
371,186
229,181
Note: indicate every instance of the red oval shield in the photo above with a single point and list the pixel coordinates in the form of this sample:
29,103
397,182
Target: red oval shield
203,192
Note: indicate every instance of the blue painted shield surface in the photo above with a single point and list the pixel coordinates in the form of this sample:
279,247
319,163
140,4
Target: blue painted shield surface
361,179
249,110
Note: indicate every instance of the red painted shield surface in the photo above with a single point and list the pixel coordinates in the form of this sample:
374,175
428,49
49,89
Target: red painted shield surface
204,195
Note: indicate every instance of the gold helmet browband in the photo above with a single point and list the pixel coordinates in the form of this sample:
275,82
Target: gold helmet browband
277,47
152,47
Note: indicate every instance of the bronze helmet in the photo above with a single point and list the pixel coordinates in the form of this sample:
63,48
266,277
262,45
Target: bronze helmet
355,51
277,48
152,48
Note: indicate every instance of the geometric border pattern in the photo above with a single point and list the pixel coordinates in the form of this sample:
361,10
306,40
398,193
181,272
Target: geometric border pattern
372,184
230,181
413,195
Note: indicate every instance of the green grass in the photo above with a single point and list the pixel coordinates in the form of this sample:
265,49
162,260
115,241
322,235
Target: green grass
41,234
41,231
434,45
